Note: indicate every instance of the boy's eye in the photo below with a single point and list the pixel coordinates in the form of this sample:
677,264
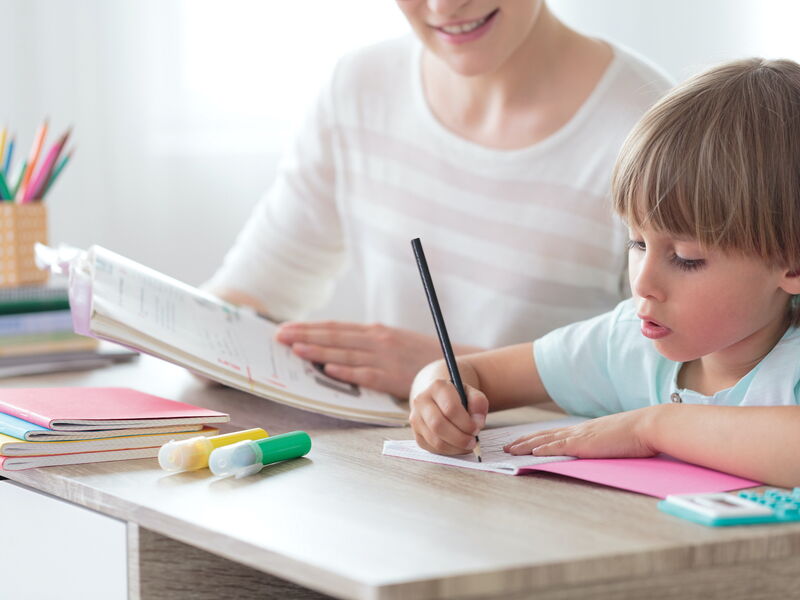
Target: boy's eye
635,245
687,264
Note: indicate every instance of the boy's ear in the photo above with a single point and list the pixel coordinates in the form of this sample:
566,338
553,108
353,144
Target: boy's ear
791,281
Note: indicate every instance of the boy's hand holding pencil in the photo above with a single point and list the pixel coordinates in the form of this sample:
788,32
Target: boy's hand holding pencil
456,382
440,423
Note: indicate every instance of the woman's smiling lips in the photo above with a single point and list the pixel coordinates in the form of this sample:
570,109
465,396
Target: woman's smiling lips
460,32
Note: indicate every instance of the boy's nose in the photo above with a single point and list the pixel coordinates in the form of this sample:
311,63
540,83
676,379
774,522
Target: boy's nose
645,280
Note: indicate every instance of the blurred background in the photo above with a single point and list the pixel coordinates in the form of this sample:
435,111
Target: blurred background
181,108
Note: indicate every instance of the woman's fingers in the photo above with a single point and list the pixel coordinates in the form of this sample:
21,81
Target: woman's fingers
368,377
339,356
330,334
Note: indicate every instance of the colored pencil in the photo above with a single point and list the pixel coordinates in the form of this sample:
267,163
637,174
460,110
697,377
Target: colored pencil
57,170
38,183
3,134
5,193
20,173
7,166
36,150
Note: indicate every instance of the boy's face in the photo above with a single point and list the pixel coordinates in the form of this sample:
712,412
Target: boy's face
695,301
473,37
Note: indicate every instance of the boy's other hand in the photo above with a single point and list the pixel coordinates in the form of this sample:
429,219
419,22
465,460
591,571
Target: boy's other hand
622,435
440,423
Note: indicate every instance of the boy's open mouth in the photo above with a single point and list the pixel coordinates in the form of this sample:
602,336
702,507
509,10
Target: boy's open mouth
653,329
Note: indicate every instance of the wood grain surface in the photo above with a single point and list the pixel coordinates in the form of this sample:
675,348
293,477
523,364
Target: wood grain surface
348,522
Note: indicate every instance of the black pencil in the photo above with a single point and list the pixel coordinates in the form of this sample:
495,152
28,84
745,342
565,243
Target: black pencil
441,330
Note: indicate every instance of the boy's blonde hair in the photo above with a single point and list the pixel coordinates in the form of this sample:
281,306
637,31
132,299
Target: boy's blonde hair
718,160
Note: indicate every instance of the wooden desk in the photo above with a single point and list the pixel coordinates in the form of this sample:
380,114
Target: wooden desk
348,522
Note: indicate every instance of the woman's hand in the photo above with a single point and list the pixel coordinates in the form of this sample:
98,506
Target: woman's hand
440,422
374,356
623,435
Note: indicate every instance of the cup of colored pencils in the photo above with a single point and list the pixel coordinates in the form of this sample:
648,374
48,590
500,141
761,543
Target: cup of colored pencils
23,214
31,179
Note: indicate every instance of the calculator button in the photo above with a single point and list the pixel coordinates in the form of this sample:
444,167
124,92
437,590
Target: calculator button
676,397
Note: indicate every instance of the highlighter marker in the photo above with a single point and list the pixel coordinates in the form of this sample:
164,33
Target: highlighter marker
249,457
191,454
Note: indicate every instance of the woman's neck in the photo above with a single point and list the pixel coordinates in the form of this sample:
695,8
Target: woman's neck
529,97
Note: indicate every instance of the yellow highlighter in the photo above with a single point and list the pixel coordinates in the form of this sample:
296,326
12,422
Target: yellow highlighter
191,454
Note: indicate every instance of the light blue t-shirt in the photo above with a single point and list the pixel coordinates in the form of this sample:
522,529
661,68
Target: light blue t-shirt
605,365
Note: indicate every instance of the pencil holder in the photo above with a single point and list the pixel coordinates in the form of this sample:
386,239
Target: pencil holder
21,226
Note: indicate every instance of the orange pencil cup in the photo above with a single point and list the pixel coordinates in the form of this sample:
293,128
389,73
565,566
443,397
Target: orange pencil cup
21,226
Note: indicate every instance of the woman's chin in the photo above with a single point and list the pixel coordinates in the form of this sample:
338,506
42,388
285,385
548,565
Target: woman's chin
468,64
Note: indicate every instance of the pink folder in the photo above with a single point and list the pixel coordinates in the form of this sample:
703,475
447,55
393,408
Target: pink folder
657,476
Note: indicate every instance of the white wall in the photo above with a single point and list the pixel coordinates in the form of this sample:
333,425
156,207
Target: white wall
180,108
686,36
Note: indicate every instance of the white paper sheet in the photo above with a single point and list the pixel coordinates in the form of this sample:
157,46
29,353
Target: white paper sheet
495,459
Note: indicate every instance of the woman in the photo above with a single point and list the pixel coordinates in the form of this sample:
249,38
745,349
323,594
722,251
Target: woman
491,135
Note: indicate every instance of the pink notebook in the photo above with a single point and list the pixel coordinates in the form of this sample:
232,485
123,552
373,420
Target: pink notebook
88,409
657,476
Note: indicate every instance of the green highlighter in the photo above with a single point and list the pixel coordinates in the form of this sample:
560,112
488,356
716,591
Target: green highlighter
248,457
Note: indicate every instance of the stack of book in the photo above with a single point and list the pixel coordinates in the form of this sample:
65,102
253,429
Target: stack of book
66,426
36,334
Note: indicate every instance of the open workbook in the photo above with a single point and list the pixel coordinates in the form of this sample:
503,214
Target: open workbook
656,476
117,299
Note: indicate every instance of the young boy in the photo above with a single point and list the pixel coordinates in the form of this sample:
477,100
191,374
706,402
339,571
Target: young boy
695,363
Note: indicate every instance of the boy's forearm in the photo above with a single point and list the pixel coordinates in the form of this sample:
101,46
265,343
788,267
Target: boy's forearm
461,349
757,442
507,376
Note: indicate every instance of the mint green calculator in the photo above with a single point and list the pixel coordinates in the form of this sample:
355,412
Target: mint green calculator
745,508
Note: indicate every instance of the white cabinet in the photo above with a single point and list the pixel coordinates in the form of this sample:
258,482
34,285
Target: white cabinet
50,548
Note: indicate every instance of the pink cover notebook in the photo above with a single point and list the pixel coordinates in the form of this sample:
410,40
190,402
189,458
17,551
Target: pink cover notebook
657,476
87,409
